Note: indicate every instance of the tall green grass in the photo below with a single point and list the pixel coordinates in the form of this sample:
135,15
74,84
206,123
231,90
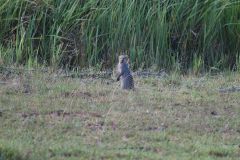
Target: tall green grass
195,34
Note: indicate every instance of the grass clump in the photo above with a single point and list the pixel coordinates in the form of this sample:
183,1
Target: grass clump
194,34
7,153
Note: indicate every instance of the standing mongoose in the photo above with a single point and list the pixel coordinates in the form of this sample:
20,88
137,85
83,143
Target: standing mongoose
124,75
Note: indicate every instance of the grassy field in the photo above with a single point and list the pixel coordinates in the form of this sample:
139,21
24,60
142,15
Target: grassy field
51,115
48,116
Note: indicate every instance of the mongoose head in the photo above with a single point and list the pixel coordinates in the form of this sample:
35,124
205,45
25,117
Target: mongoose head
123,58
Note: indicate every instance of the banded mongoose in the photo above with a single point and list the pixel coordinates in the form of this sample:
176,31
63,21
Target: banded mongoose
124,75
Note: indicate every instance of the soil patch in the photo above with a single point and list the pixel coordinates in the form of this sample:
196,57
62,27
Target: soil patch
62,113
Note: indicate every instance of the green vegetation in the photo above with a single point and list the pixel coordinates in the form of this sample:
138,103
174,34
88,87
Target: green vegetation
50,116
195,34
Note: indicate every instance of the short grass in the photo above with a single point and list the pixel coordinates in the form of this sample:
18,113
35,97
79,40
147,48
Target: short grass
46,116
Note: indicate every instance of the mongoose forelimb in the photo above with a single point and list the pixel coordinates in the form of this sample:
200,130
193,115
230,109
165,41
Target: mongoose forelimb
124,73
